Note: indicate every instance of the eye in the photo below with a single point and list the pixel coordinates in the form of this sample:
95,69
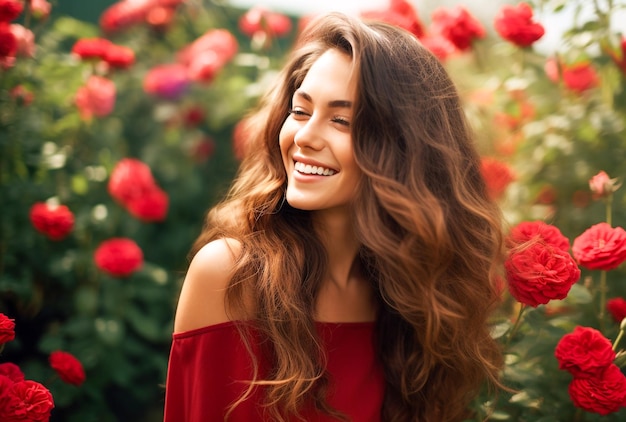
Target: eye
297,113
341,120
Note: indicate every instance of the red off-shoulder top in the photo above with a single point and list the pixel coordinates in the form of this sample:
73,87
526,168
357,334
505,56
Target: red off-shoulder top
208,369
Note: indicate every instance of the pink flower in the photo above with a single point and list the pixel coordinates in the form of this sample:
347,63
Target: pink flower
96,97
40,8
540,273
515,24
584,353
25,40
54,221
458,26
168,81
67,367
600,247
119,257
602,185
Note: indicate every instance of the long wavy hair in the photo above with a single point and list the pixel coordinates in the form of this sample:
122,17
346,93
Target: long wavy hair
431,239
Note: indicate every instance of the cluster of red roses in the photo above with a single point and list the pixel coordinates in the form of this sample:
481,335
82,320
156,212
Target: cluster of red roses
26,400
540,269
15,39
599,386
127,13
132,185
97,96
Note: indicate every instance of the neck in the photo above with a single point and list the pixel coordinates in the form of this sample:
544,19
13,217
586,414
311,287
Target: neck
337,234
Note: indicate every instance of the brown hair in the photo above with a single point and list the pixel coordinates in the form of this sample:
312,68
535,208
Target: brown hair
431,238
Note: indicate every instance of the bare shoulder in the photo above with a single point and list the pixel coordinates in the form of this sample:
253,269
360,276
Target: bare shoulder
201,300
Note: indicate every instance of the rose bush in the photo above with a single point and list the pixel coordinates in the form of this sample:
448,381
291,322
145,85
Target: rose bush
129,128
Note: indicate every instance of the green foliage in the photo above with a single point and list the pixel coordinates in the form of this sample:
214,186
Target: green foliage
119,328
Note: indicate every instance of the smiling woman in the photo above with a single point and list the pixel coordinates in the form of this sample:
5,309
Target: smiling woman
350,272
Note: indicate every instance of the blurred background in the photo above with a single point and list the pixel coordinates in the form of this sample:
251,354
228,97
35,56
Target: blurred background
133,137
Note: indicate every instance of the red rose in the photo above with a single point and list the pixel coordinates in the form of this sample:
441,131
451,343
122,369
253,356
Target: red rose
10,9
11,371
54,221
123,14
497,175
617,308
129,180
602,395
96,97
8,43
119,257
602,186
150,206
204,57
258,19
119,57
399,13
440,46
580,77
540,273
600,247
7,329
529,231
515,24
585,352
91,48
457,25
67,367
169,81
26,401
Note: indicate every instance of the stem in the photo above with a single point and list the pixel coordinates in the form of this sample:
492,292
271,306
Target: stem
516,325
609,212
603,290
617,340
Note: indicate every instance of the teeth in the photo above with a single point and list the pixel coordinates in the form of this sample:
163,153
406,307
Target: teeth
309,169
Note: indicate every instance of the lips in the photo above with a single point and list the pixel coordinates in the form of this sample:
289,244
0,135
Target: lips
313,169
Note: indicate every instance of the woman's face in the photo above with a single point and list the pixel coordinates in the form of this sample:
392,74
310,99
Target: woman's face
316,141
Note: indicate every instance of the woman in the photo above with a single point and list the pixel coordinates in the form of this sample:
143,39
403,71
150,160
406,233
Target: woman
349,273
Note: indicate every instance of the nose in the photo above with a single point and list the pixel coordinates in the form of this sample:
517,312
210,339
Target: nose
309,135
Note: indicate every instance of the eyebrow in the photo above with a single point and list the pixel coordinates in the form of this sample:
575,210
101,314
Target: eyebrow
333,103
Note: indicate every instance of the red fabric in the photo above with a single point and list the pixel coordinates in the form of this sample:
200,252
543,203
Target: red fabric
207,365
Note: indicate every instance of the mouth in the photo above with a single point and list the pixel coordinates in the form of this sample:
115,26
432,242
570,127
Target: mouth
313,170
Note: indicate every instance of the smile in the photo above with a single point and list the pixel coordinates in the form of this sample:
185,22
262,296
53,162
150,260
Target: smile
309,169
